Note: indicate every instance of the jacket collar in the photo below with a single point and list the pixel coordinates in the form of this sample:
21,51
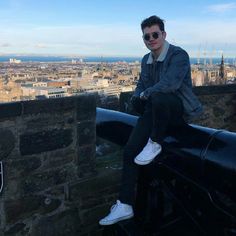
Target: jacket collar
162,56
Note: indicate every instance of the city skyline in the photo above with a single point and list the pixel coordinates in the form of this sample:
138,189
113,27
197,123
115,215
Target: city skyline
112,28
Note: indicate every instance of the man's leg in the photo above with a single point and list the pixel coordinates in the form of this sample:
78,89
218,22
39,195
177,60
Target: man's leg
123,209
135,144
167,110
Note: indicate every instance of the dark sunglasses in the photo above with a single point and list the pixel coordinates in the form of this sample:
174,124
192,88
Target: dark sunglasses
155,35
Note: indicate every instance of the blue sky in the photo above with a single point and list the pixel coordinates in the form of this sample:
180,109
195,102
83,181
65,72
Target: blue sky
112,27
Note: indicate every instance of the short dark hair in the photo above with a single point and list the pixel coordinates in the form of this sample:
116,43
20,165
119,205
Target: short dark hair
153,20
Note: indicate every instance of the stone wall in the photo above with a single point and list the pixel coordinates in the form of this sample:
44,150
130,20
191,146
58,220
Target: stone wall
47,148
219,103
53,182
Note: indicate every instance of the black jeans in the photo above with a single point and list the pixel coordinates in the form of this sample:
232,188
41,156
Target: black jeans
159,113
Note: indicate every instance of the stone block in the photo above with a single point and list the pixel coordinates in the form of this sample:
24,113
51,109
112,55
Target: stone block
94,185
60,224
50,178
10,110
16,228
58,158
38,142
214,89
86,154
25,207
91,217
48,106
21,168
7,143
218,111
108,102
45,121
86,161
86,133
86,171
58,191
86,107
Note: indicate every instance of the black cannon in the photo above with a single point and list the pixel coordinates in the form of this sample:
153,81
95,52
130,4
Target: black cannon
192,182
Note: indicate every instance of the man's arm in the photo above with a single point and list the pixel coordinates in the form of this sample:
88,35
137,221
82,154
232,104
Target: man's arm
140,86
173,78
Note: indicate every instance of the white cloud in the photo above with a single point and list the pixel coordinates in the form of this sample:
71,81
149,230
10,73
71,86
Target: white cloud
86,39
5,45
203,31
221,8
204,35
118,39
40,45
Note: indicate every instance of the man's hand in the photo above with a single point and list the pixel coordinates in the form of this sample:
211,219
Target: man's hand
133,99
137,104
142,96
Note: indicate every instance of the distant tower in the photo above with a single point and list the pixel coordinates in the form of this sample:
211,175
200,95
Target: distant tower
204,54
211,58
101,65
222,70
198,55
210,61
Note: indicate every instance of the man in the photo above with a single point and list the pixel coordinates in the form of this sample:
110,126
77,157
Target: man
164,98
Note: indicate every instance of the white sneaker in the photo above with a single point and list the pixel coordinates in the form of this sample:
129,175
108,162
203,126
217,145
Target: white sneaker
119,211
149,152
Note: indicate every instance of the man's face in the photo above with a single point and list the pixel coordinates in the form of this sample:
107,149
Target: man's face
154,38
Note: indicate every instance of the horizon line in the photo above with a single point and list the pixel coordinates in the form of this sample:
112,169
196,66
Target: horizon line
83,55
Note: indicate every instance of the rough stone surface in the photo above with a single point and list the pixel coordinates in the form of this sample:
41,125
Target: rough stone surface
27,206
21,168
53,184
60,224
32,143
86,161
86,155
45,146
10,110
43,180
219,111
86,131
49,105
19,227
7,143
86,107
99,183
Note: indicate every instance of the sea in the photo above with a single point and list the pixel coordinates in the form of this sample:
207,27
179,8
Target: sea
102,59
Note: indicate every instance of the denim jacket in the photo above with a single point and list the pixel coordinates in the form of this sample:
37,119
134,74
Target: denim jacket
174,76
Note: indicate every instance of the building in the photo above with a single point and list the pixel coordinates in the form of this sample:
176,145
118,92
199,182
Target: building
15,61
46,92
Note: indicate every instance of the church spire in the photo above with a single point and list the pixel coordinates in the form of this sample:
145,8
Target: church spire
222,69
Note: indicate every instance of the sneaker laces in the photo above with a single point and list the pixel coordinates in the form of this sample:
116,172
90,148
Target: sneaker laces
155,145
151,144
113,208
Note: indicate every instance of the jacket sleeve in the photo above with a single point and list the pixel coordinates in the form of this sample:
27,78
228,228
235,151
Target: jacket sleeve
140,86
172,78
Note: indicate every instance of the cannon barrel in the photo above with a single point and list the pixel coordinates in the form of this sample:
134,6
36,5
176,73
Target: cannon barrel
204,156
